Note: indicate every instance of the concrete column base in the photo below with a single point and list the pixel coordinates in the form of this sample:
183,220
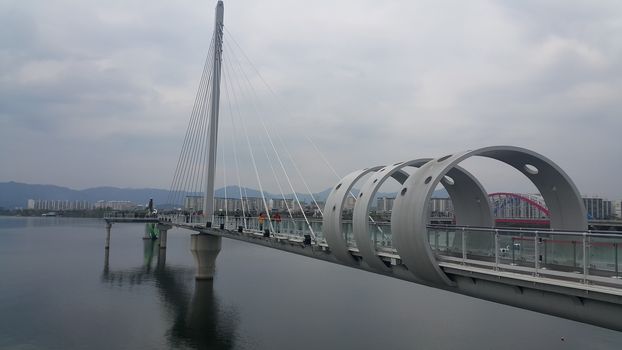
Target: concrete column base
205,249
108,227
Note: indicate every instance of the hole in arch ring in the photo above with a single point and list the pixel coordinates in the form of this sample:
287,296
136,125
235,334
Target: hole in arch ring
447,180
531,169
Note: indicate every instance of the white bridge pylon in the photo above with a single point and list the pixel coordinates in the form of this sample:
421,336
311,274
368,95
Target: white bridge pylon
410,215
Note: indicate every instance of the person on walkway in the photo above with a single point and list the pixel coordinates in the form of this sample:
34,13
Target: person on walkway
261,219
221,217
237,217
277,221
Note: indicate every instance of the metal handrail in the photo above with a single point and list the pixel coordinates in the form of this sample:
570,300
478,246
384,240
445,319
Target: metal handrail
591,233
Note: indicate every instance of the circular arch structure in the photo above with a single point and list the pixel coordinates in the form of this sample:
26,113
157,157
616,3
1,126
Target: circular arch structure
410,210
331,224
360,215
475,210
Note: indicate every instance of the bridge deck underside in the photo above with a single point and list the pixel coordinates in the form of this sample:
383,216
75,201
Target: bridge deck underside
597,300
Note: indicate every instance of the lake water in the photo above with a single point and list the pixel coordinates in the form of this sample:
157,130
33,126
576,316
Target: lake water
60,290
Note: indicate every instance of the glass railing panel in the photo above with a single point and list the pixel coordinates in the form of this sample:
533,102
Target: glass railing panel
442,241
514,248
380,235
348,235
541,250
560,252
604,257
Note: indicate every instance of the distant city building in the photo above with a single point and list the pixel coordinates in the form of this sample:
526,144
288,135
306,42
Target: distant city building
441,207
598,208
282,205
385,204
617,209
116,205
254,204
227,204
51,204
193,203
311,207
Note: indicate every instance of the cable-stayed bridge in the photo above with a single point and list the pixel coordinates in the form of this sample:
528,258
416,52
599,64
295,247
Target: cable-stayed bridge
563,270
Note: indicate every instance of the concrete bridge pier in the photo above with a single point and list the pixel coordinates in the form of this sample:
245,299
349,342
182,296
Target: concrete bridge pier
205,249
163,233
108,227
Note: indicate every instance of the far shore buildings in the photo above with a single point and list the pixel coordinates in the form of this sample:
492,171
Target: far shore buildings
617,209
117,205
253,205
50,204
61,205
596,208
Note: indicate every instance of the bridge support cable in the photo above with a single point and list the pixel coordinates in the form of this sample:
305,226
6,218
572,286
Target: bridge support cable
231,36
224,175
244,198
242,191
278,183
236,161
276,179
200,160
194,169
252,97
182,171
196,136
284,110
337,176
250,149
189,162
282,167
254,94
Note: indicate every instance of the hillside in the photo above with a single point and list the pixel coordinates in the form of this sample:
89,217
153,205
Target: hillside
15,194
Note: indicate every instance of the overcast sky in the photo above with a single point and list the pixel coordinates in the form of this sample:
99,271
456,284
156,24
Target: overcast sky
100,92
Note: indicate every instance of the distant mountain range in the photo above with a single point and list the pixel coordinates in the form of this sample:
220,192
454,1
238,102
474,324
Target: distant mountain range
16,195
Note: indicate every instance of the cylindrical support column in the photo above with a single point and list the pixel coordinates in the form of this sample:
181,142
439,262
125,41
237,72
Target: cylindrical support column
205,249
108,227
163,234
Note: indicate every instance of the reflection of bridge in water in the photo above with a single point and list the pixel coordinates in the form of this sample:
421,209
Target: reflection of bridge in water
195,313
564,270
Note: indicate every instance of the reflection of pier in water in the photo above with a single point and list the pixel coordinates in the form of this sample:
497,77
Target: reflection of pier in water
196,316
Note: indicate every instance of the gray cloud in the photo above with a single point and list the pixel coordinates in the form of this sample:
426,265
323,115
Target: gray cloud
95,93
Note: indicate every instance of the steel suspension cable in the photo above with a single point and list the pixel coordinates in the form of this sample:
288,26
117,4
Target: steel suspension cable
235,159
263,197
278,183
193,129
280,161
278,136
306,136
189,130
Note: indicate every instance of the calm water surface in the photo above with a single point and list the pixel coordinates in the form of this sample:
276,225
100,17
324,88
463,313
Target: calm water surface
60,290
